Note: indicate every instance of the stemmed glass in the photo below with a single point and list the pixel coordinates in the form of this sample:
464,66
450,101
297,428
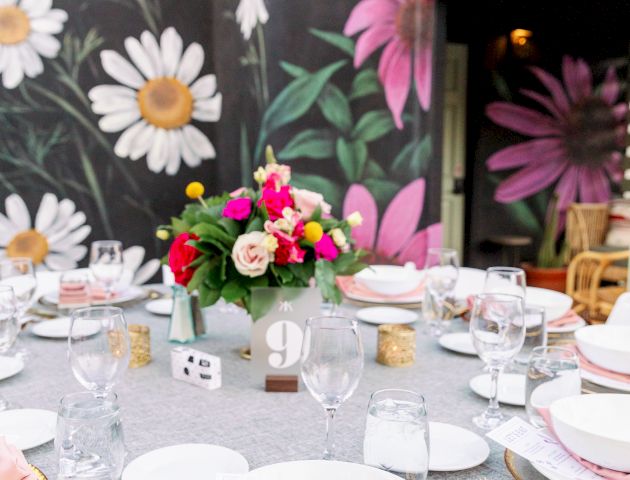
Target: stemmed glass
497,328
441,273
509,280
98,347
19,273
106,264
9,326
332,362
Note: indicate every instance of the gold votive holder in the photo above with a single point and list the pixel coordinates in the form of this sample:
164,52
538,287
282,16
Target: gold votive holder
140,337
396,345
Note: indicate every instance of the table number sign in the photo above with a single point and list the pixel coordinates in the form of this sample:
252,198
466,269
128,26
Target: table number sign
280,316
198,368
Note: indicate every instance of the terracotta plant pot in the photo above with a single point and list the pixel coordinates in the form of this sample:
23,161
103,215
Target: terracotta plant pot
551,278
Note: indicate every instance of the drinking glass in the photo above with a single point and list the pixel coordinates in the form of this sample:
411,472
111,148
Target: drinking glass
9,326
535,334
553,373
19,273
441,273
332,362
397,433
106,264
74,290
89,440
497,328
509,280
99,347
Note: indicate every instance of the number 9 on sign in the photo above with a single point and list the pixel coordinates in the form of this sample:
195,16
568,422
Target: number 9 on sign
285,339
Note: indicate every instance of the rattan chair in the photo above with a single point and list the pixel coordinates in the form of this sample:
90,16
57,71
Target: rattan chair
587,224
584,284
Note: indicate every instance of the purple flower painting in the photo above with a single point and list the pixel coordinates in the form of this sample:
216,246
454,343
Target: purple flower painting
575,143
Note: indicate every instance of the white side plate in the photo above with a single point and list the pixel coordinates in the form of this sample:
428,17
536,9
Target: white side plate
28,428
10,366
511,388
604,381
567,328
60,328
318,470
163,306
454,448
458,342
386,315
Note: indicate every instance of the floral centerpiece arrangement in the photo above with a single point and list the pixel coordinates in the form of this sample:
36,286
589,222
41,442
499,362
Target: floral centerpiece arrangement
274,236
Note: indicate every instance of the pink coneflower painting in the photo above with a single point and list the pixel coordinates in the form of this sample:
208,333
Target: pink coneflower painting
396,240
406,28
576,141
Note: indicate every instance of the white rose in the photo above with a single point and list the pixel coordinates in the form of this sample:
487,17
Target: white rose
339,238
306,202
250,255
355,219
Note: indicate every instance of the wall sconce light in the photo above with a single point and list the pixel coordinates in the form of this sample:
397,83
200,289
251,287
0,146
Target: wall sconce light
519,37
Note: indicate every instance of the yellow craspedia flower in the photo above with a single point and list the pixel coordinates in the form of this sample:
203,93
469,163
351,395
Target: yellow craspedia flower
195,190
162,234
313,232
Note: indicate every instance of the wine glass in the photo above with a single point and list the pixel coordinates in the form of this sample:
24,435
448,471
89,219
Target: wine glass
98,347
9,326
441,273
106,264
497,328
19,273
509,280
332,362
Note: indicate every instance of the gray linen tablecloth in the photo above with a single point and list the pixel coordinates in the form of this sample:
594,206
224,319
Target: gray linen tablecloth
265,427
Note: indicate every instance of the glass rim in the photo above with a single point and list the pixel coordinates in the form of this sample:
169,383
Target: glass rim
507,296
106,242
398,390
533,308
553,348
352,322
110,397
505,269
77,313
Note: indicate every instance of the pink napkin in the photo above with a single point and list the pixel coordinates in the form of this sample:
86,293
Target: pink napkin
348,286
568,318
98,293
589,366
601,471
13,465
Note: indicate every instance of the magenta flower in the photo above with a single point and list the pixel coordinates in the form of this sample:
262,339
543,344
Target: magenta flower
406,26
238,208
326,248
576,141
397,240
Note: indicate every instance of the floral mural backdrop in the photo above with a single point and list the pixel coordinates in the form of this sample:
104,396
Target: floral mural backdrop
109,108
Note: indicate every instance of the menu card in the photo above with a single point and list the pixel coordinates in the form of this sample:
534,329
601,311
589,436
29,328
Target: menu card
539,447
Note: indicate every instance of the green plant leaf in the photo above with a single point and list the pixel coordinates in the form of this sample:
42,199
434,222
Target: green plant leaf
231,226
342,42
208,296
335,107
310,143
326,281
233,291
382,190
329,189
179,226
373,125
365,83
302,271
208,233
255,225
201,273
352,157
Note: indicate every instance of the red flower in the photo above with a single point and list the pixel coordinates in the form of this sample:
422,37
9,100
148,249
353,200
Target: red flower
288,252
298,231
180,256
276,201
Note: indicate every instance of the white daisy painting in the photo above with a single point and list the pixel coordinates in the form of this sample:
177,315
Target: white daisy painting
250,13
27,29
53,239
158,96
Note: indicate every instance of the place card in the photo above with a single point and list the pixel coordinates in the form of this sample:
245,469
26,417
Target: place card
198,368
539,447
279,319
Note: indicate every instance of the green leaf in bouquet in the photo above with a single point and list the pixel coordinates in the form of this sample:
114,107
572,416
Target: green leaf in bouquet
216,276
329,189
179,226
347,264
311,143
205,247
209,233
231,226
365,83
208,296
326,280
317,214
352,157
335,39
303,272
373,125
233,291
255,225
200,275
335,107
282,274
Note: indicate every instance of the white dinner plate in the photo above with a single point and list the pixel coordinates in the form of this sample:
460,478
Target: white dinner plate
130,293
162,306
60,328
567,328
604,381
383,300
318,470
28,428
193,460
455,448
386,315
458,342
10,366
555,304
511,388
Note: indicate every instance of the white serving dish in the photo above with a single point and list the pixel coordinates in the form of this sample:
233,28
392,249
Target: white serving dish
596,427
607,346
555,304
389,279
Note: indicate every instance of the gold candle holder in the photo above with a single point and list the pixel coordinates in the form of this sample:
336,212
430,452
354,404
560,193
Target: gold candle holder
140,337
396,345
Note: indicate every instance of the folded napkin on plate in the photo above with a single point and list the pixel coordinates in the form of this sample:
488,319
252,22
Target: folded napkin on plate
98,293
603,472
568,318
13,465
589,366
349,287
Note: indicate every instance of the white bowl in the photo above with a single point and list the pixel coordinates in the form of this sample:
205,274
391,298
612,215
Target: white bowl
596,427
606,345
389,279
555,304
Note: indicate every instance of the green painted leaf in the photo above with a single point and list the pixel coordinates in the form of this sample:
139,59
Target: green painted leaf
519,211
365,83
292,69
245,157
382,190
329,189
352,157
413,159
326,281
310,144
374,170
342,42
373,125
335,107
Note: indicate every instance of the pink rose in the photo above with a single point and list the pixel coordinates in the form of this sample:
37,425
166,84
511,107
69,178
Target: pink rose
326,248
238,208
307,201
276,201
251,257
